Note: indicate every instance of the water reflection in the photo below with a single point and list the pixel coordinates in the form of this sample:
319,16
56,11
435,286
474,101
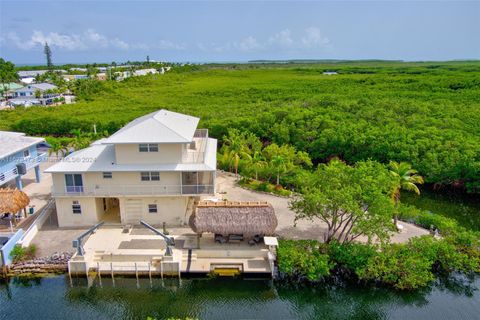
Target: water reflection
229,298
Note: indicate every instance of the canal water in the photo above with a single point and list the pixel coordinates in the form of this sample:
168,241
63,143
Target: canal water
56,298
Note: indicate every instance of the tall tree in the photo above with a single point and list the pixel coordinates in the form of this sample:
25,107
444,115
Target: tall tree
48,55
406,178
235,148
7,75
258,162
279,163
351,201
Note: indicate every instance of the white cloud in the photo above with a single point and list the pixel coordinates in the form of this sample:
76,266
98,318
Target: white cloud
169,45
313,38
310,39
120,44
282,39
248,44
90,39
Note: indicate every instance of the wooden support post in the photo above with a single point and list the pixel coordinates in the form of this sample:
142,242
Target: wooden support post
161,269
136,275
111,271
99,274
70,274
150,272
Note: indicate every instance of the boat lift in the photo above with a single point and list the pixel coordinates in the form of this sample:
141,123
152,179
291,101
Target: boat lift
169,240
77,243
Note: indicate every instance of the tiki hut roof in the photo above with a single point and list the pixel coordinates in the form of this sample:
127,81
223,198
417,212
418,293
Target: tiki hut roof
12,200
247,218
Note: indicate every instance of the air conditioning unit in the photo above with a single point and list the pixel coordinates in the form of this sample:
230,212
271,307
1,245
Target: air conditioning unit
21,168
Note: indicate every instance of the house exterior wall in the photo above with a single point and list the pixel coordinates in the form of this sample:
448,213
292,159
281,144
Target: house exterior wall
167,153
89,216
10,162
170,210
95,180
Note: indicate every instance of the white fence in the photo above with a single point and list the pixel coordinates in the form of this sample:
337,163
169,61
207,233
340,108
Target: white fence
36,225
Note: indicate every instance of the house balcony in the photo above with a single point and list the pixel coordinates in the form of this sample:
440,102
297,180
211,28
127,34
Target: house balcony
8,175
134,190
195,151
29,162
35,161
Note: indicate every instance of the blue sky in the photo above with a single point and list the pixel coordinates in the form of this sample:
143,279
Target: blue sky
105,31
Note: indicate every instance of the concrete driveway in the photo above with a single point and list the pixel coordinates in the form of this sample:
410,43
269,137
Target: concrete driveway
305,229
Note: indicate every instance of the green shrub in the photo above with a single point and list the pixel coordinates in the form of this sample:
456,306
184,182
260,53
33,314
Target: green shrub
353,256
303,257
443,224
398,266
20,253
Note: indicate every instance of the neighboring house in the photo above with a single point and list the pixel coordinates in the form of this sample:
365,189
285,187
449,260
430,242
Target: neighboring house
153,169
30,73
144,72
102,76
8,89
28,80
28,94
18,155
31,90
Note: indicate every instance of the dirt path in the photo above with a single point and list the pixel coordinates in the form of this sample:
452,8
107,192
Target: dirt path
228,189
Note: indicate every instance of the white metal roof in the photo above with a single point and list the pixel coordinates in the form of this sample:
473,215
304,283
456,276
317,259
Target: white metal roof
101,158
13,142
157,127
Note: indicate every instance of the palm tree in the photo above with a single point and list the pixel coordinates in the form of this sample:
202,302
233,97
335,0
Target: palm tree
258,162
235,150
280,164
406,179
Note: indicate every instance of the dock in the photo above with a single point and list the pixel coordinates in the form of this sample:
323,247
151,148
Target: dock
111,251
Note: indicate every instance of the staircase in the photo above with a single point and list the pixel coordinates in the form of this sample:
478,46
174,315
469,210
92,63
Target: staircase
190,208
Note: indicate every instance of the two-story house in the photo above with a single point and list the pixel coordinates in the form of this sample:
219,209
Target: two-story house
43,93
153,169
18,155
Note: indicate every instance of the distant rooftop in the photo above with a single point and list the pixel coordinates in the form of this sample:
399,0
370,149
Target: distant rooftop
157,127
30,73
13,142
10,86
43,86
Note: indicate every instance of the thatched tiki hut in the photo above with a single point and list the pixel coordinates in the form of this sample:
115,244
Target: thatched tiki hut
12,201
228,218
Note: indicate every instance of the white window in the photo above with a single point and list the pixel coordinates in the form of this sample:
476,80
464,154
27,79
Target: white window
148,147
150,176
76,207
155,176
107,175
152,208
26,153
145,176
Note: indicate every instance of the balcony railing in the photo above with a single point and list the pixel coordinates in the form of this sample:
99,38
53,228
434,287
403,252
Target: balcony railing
35,161
30,162
8,175
195,151
132,190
